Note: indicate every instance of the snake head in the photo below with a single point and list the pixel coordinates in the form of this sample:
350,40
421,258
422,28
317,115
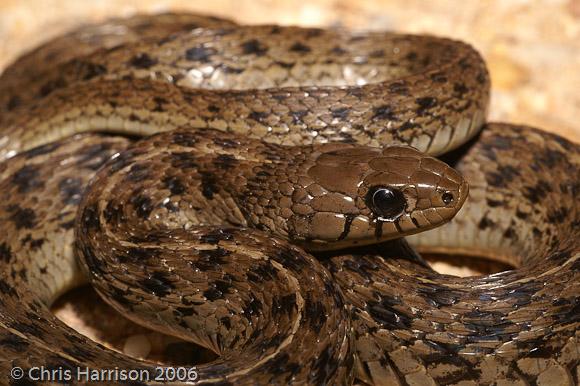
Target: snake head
373,195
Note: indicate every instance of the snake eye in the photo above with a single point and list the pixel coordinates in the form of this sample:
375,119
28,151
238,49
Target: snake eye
387,203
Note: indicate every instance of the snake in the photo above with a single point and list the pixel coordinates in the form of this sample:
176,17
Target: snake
266,191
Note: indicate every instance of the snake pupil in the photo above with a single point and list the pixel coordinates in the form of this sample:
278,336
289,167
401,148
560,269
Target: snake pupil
385,202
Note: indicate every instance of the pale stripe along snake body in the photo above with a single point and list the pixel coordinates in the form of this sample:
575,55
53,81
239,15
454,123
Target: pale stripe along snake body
264,142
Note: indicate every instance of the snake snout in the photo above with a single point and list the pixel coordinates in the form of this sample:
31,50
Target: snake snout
458,197
452,192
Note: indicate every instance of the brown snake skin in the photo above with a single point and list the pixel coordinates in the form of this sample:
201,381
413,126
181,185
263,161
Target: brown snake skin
262,143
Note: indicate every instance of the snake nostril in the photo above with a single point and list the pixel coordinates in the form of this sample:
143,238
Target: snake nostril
447,198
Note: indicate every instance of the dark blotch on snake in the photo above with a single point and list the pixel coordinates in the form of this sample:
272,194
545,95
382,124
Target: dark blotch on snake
26,328
485,223
208,185
254,307
284,305
315,314
136,254
22,217
340,113
538,192
186,311
388,317
199,54
299,47
158,284
14,343
94,156
13,103
384,112
557,216
213,109
272,342
6,289
67,224
226,322
210,259
159,104
137,172
460,89
5,252
521,215
326,364
216,236
36,244
258,116
223,285
290,259
143,205
186,139
226,161
438,295
438,77
337,50
285,65
174,184
425,103
493,203
80,352
27,179
562,256
313,33
254,47
214,253
408,126
142,61
70,190
279,362
263,272
212,294
362,267
297,116
377,54
503,176
225,143
399,87
183,161
120,297
52,85
232,70
88,70
113,213
44,149
510,233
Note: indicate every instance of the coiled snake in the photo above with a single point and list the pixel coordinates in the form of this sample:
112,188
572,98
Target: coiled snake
262,143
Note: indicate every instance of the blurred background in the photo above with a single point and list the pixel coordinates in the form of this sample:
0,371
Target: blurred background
532,47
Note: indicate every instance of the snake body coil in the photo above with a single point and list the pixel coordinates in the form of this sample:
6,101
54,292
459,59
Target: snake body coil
266,145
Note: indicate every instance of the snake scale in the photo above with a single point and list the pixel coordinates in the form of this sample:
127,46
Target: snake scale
262,212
